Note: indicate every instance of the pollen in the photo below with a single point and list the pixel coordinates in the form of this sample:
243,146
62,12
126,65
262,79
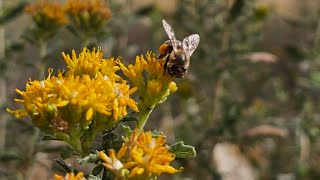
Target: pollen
163,49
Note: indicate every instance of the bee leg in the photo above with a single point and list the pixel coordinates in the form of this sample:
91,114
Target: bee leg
166,58
165,68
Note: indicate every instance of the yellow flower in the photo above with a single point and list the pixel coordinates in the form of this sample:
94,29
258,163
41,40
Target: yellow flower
71,176
90,93
154,85
148,75
97,7
91,84
173,87
47,14
91,63
150,154
88,15
112,162
142,157
99,95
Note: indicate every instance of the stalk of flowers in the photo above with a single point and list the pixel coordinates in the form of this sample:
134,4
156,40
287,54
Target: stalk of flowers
77,105
140,157
48,17
154,85
88,16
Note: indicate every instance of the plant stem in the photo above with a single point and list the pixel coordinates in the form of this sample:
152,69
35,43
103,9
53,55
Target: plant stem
95,129
87,141
86,42
143,118
76,145
43,54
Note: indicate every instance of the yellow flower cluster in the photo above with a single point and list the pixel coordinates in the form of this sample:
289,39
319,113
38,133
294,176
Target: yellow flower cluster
47,14
69,102
89,15
141,157
90,7
91,63
91,84
148,75
88,18
108,88
71,176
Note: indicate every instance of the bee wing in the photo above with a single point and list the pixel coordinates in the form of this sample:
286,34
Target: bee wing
190,43
170,34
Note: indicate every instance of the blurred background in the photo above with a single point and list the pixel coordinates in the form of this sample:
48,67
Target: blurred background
249,103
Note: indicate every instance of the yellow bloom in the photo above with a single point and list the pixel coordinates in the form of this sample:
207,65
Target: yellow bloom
154,85
96,7
88,15
148,75
112,161
47,14
173,87
90,63
67,103
142,157
99,95
86,63
150,154
71,176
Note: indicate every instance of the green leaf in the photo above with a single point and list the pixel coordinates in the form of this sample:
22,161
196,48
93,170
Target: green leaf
7,157
3,64
91,177
66,153
127,130
145,10
13,47
108,174
183,151
236,10
97,170
109,137
12,12
48,137
156,134
73,30
67,167
129,118
110,140
91,158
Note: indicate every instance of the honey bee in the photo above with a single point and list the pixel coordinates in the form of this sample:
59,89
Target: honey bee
176,54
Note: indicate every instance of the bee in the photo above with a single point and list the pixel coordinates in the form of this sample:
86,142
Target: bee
175,53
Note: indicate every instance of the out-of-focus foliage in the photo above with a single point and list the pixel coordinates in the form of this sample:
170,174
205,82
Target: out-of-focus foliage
253,82
244,89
